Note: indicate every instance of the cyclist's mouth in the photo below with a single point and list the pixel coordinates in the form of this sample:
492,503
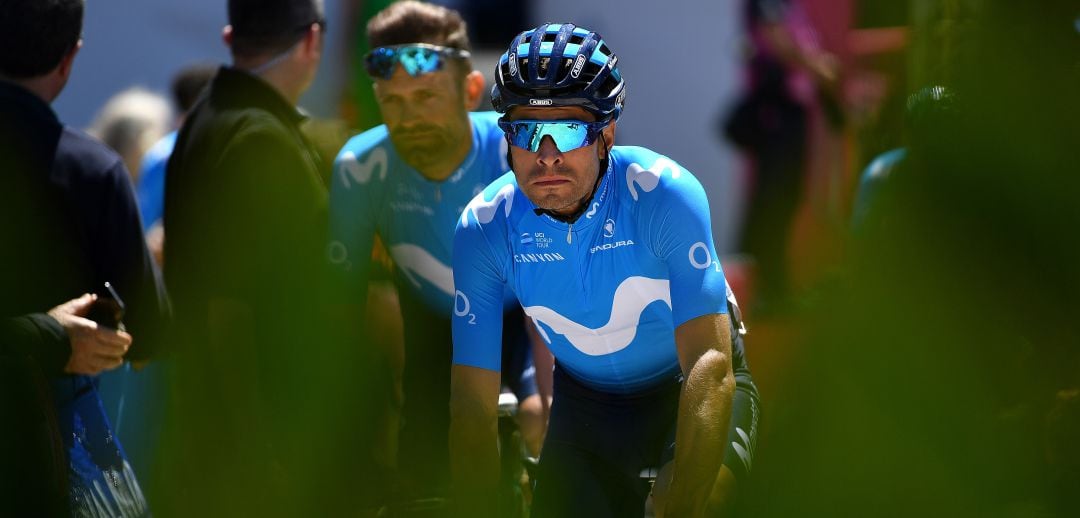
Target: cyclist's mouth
549,182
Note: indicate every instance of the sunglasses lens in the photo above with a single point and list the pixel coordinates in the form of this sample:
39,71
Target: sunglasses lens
418,61
380,63
567,135
415,60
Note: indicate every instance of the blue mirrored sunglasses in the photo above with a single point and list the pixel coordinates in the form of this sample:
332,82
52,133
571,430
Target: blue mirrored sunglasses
416,59
568,135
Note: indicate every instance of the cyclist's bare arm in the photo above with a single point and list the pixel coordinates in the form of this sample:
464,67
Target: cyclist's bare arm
704,348
544,363
474,455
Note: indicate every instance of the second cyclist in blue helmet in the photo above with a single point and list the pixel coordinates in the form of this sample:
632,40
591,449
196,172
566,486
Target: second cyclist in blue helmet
609,249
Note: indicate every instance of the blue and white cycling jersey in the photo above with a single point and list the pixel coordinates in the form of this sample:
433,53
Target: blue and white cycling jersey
375,192
607,291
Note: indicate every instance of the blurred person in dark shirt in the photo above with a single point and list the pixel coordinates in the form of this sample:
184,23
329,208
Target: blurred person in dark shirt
257,415
68,225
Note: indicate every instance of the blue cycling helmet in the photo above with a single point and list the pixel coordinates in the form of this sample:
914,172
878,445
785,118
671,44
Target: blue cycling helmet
559,65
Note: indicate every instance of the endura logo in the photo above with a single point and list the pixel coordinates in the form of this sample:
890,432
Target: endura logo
609,246
578,65
540,102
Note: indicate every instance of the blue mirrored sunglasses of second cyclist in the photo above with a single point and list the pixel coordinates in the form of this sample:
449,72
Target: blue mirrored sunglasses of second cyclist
568,135
415,58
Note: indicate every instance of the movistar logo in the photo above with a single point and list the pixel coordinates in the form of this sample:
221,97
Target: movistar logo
609,246
540,102
513,64
538,258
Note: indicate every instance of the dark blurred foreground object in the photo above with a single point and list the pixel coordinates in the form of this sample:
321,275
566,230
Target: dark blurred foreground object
938,380
262,403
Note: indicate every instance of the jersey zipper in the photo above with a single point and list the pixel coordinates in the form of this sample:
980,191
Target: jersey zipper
569,234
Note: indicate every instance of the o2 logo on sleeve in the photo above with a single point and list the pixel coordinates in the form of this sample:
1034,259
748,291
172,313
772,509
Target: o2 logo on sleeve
462,307
700,258
339,255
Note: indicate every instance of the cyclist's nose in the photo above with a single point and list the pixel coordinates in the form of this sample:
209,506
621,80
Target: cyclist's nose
548,154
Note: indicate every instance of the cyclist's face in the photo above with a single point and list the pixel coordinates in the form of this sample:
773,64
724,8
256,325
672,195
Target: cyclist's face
555,180
427,115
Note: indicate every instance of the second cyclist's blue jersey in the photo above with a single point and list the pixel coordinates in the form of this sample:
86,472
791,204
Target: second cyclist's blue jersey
374,191
607,291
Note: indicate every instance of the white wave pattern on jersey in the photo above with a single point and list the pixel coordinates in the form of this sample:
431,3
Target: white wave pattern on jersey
649,178
484,211
363,172
631,298
415,262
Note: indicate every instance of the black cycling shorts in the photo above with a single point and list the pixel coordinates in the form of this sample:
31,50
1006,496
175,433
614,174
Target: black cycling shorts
599,445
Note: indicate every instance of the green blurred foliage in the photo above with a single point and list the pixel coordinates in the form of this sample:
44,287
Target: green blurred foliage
935,380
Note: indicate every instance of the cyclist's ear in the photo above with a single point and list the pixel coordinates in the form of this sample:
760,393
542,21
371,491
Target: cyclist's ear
607,140
474,89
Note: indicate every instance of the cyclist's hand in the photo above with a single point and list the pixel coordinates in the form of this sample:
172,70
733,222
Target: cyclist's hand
94,349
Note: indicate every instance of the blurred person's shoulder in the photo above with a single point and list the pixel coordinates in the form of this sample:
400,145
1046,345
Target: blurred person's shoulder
490,142
82,159
366,161
159,153
366,142
239,107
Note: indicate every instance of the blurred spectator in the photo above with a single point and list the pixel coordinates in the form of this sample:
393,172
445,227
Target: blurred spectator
68,224
260,400
929,118
788,72
130,122
187,86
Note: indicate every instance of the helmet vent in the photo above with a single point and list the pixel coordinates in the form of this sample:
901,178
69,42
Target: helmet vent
576,39
564,70
542,67
609,84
